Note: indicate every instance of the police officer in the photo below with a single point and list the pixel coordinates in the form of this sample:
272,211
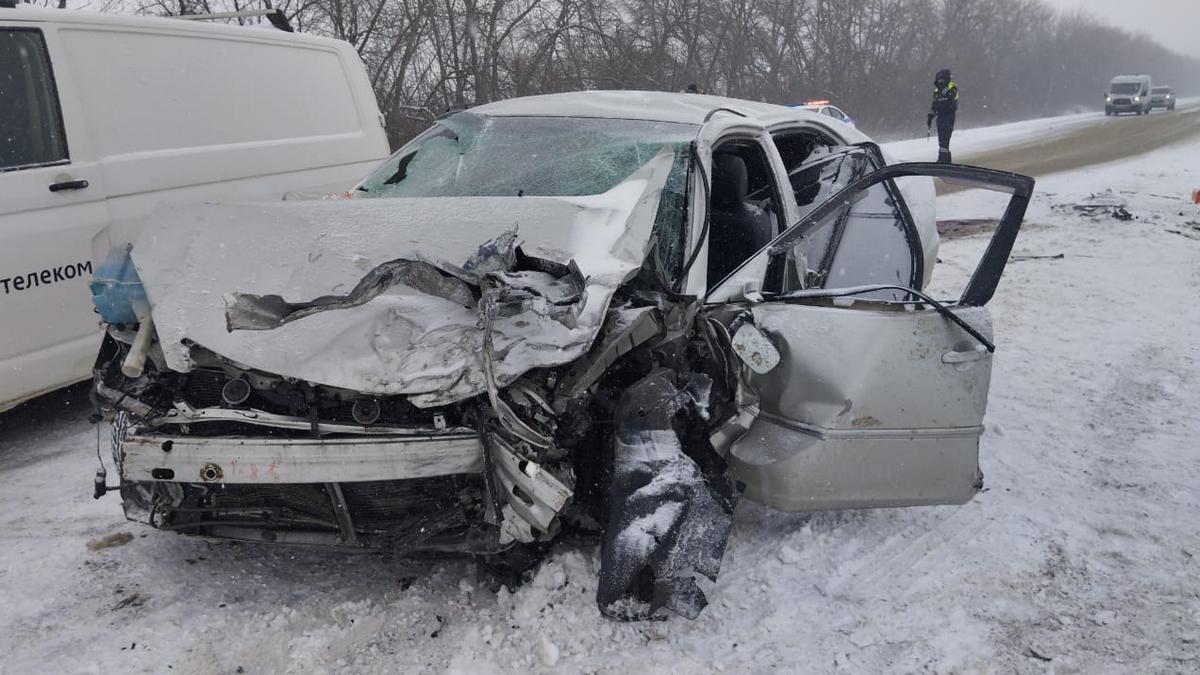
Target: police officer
944,108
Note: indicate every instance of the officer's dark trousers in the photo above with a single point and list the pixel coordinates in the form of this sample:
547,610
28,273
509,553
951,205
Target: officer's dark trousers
945,125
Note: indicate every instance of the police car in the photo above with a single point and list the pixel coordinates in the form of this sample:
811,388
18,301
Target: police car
823,107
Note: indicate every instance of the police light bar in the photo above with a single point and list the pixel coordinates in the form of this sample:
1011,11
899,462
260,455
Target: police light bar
822,101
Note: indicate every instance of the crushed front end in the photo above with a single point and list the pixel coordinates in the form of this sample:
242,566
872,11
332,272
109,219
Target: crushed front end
484,406
228,452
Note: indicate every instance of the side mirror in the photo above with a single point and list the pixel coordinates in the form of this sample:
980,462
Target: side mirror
755,349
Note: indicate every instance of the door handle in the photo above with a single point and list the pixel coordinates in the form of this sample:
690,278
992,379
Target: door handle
965,356
68,185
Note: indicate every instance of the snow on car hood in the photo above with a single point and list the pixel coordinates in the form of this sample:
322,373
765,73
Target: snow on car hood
206,268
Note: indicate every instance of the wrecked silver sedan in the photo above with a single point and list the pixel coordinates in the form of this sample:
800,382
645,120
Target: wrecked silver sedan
608,315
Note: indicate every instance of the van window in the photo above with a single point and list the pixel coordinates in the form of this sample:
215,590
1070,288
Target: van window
31,129
146,91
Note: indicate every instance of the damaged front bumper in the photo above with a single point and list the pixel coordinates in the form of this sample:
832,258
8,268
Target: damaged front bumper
397,492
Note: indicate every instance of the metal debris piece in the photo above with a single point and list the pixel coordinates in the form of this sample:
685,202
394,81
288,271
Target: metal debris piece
1098,205
670,502
1020,258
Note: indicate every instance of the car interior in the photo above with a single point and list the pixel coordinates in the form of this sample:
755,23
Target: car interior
744,211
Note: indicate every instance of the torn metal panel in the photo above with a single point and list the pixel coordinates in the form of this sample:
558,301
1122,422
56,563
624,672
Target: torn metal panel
246,311
625,329
670,502
533,497
399,339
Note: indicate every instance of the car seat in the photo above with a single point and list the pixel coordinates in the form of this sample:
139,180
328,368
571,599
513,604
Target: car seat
737,228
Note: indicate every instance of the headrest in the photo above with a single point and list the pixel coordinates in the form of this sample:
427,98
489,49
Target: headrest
731,185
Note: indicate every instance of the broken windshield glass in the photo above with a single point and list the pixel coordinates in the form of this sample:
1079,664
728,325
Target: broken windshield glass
471,155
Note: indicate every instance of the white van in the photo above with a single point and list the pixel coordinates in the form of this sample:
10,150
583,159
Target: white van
102,117
1128,93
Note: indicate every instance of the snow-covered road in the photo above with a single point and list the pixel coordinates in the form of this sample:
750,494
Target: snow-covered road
1057,144
1081,555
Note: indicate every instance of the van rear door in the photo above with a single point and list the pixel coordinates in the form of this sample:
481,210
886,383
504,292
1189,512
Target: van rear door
51,206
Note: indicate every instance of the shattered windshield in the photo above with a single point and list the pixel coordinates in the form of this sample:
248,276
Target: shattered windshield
1125,88
469,155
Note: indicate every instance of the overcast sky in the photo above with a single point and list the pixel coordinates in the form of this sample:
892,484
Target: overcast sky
1174,23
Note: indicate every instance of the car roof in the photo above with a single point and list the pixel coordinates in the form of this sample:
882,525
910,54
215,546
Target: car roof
656,106
156,23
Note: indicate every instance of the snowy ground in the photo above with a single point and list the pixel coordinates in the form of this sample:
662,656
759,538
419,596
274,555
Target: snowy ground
1082,554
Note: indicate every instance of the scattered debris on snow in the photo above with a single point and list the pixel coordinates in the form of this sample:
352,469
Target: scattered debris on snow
109,541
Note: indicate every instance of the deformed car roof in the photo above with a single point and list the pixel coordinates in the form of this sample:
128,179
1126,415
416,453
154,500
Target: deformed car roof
657,106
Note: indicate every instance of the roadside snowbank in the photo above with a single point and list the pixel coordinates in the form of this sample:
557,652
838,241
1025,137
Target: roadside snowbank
982,139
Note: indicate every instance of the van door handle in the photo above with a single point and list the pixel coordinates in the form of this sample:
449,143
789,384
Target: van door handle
68,185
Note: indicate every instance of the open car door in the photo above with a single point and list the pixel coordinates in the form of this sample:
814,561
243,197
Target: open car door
879,392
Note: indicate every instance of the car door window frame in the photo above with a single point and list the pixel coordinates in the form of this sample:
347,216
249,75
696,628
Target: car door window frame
54,100
818,133
912,236
783,208
986,277
780,215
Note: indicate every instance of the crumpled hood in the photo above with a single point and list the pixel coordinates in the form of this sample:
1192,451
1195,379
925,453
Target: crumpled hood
280,287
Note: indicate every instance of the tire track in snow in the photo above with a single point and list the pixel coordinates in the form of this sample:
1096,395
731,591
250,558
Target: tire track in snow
899,565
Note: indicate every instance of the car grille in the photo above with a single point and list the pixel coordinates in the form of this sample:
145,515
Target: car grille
373,505
1120,101
308,499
